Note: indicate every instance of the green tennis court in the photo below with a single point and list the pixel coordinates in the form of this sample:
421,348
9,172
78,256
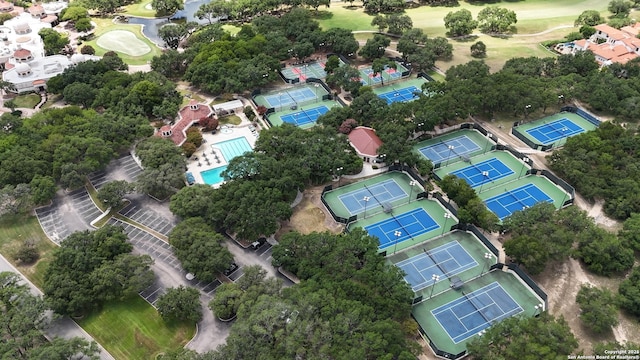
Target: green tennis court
544,132
557,195
506,291
518,169
367,76
440,219
438,150
347,200
384,91
278,118
466,261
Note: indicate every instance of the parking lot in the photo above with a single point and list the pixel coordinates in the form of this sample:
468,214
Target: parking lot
68,212
83,205
149,218
52,223
123,168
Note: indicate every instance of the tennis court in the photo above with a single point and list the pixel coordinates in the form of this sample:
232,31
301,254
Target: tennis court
305,116
483,172
448,149
402,227
383,192
290,97
404,94
551,132
305,71
517,199
473,312
368,77
444,261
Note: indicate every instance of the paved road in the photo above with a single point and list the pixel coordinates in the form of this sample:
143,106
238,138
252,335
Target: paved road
63,327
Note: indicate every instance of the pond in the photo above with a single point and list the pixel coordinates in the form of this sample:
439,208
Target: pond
150,27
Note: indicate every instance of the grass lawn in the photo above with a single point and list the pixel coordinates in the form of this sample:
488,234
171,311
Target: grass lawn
14,230
28,101
231,119
534,16
140,9
105,25
132,329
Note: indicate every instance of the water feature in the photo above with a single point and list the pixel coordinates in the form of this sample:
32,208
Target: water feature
150,26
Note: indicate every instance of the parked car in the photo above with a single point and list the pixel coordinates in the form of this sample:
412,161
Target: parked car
258,243
233,267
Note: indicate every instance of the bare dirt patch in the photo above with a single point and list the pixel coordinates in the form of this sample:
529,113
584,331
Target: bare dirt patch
310,215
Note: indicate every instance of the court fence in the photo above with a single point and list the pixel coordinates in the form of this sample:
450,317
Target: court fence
559,182
526,278
530,143
409,170
425,76
335,217
445,203
473,229
515,153
582,113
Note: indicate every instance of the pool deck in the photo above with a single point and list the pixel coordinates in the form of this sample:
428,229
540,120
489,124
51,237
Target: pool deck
209,139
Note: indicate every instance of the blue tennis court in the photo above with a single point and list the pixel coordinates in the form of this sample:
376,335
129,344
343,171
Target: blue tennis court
406,94
382,192
305,116
233,148
409,225
518,199
554,131
483,172
445,261
290,97
467,316
449,149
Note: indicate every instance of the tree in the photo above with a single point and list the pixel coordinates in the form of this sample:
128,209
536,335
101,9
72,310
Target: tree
379,65
92,267
227,301
619,8
191,201
213,10
53,41
496,20
545,336
180,304
302,50
604,253
87,50
478,49
74,13
22,322
586,31
457,190
113,192
398,24
173,34
43,189
589,17
380,21
166,7
27,253
597,308
80,94
375,47
460,23
630,232
83,25
332,63
199,249
629,292
15,199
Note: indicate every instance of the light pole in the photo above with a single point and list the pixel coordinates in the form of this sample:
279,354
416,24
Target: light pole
316,89
538,309
412,183
560,98
435,279
338,172
526,110
366,200
485,176
487,258
397,235
451,147
444,227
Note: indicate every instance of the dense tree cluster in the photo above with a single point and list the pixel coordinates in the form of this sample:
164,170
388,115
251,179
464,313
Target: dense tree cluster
518,335
471,210
629,293
598,310
601,164
163,165
199,249
23,319
180,304
99,85
540,234
90,268
349,304
265,182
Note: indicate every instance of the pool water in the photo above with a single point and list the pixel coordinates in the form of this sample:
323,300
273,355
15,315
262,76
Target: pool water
233,148
212,176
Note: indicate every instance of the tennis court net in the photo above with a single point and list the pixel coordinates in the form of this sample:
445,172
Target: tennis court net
445,272
476,307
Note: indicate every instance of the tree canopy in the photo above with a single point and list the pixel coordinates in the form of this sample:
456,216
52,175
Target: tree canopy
90,268
495,20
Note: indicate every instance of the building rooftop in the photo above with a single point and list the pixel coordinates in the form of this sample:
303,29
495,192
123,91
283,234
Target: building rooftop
365,140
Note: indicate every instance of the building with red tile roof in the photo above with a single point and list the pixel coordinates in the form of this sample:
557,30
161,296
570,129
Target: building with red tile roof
365,141
610,45
187,116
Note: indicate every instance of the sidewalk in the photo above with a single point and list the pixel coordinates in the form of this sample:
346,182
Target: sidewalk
63,327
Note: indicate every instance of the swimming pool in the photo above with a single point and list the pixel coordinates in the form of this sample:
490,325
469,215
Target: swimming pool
212,176
233,148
